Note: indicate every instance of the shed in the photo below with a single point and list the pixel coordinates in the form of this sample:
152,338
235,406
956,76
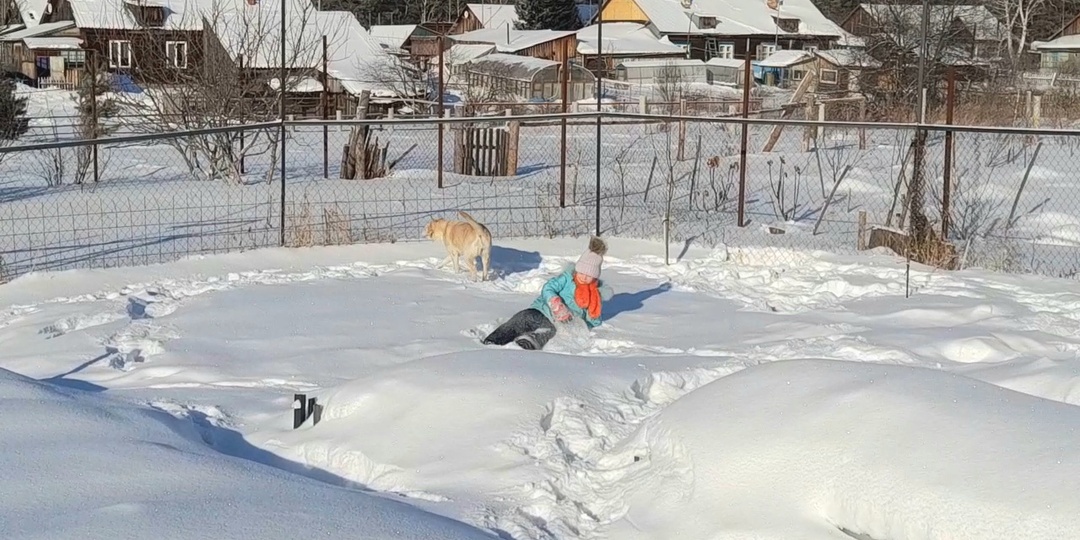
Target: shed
660,71
522,77
725,71
778,68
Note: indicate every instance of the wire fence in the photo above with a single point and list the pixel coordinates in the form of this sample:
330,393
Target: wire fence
994,198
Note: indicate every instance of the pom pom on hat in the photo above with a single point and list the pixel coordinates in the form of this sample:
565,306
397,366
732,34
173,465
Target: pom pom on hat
590,262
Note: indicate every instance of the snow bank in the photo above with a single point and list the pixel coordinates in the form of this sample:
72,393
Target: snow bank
802,449
81,465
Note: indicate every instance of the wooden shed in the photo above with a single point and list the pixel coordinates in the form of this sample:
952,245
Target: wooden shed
508,76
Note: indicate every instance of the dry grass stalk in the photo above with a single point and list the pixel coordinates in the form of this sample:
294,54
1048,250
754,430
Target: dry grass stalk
337,227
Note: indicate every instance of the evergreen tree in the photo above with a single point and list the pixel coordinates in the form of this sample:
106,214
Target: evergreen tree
547,15
13,120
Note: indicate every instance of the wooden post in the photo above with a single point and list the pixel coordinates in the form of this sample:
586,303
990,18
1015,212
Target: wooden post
442,107
243,151
946,189
564,76
338,117
808,133
862,118
682,130
325,112
1036,110
514,129
94,115
861,237
643,105
747,81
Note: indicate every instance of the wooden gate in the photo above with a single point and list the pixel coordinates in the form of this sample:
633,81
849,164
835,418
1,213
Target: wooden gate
483,151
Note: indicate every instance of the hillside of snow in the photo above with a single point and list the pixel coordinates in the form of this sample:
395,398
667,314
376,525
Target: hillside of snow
724,396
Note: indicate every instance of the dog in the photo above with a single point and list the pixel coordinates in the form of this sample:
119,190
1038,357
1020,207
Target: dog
467,238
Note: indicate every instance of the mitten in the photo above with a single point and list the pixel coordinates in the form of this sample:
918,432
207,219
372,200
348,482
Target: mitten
559,310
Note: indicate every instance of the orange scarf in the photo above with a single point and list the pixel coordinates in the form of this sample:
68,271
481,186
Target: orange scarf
587,296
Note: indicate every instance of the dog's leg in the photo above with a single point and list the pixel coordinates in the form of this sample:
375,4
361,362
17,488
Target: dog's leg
485,258
457,262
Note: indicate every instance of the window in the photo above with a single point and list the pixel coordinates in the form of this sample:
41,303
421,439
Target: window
829,76
725,50
74,58
811,49
176,52
765,50
119,54
706,23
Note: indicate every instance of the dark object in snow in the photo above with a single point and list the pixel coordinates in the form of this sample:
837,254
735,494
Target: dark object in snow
304,408
529,328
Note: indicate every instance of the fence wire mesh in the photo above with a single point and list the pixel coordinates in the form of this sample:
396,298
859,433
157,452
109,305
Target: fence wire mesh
828,186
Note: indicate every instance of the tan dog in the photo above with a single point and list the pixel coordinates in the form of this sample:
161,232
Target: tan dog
462,238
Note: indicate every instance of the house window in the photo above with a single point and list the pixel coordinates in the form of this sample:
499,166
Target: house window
176,52
723,50
811,49
119,54
706,23
765,50
829,76
74,58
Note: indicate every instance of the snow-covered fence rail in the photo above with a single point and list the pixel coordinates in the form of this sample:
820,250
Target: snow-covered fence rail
1012,202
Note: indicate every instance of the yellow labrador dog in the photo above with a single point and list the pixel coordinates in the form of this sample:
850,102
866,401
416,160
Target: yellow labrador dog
466,238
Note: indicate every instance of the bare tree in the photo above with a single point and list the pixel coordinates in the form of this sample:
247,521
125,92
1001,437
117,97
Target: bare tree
227,79
1018,15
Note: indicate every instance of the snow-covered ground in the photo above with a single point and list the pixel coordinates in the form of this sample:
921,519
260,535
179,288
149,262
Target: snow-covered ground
1014,205
726,396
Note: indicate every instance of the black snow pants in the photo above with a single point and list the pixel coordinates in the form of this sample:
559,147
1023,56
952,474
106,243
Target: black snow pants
529,328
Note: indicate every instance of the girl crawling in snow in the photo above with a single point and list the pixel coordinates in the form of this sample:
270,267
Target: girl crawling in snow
576,292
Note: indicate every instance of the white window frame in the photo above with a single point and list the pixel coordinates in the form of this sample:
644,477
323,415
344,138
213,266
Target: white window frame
725,50
766,50
835,76
116,57
170,48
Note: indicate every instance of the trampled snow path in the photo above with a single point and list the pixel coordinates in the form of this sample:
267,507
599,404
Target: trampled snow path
534,445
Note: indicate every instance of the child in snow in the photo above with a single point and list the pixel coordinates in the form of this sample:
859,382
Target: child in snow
576,292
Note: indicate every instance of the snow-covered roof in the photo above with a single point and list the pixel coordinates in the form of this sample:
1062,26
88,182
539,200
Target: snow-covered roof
1063,43
848,58
509,40
495,15
53,42
391,36
738,17
663,63
32,11
37,30
511,66
464,52
179,14
785,58
623,38
353,58
725,62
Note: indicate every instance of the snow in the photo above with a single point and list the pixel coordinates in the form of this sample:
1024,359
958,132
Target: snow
53,43
738,17
1064,43
625,39
726,395
509,40
495,15
38,30
391,36
785,58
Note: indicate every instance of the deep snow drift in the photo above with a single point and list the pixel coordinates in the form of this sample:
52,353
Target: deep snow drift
673,417
78,465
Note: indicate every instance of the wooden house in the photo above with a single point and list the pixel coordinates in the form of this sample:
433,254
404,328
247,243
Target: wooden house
1061,53
707,29
543,44
961,35
423,44
485,17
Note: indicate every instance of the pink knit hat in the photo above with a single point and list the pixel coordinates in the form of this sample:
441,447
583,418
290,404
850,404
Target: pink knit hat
589,263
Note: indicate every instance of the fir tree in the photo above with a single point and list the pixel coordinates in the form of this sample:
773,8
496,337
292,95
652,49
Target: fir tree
548,15
13,120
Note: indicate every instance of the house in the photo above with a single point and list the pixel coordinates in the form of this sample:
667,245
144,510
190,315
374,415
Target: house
961,35
485,17
783,67
391,38
425,43
731,28
543,44
624,41
49,54
511,78
1061,53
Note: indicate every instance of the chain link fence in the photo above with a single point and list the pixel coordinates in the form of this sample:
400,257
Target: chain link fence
993,198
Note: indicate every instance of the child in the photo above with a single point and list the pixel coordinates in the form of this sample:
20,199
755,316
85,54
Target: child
577,292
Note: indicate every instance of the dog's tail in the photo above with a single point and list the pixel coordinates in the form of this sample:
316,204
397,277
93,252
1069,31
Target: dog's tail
480,229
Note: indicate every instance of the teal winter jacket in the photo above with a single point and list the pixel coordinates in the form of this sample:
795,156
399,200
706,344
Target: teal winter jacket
563,286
